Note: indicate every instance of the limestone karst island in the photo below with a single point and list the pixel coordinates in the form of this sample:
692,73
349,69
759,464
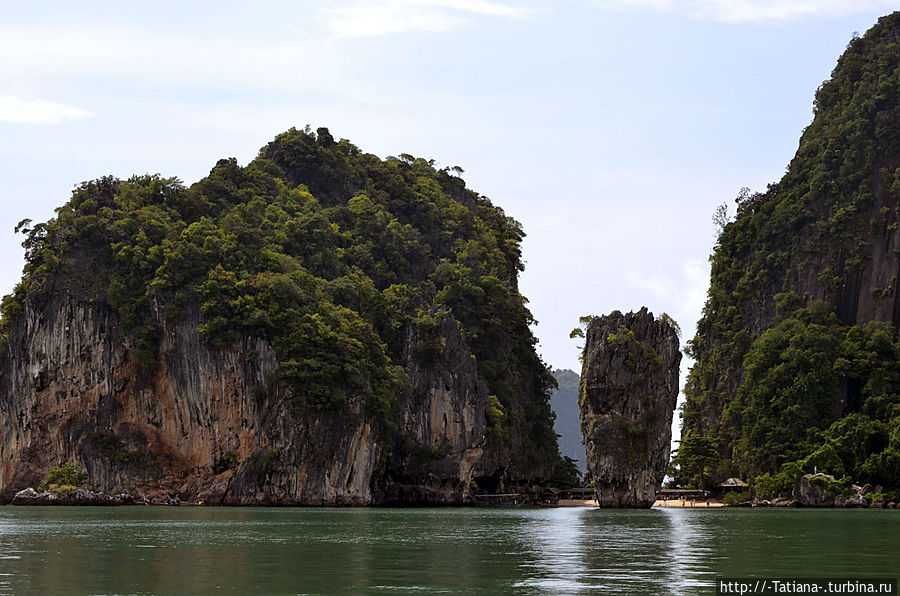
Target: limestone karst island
322,326
318,327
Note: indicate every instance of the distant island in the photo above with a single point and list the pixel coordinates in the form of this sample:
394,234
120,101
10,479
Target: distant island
567,421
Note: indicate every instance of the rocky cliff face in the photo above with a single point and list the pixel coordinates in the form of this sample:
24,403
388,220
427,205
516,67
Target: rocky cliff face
628,394
208,424
443,423
815,256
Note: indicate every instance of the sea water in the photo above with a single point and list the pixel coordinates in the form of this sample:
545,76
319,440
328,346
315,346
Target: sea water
200,550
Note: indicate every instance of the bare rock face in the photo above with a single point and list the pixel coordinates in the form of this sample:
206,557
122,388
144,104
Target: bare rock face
209,425
628,394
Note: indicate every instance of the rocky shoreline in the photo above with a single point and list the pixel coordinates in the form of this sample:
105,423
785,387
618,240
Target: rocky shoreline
824,491
788,503
816,490
812,491
79,496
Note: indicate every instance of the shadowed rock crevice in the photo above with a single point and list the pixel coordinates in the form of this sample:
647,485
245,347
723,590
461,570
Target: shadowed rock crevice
629,386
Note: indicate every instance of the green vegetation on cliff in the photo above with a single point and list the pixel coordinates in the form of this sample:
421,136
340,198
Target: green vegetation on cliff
330,254
64,478
796,354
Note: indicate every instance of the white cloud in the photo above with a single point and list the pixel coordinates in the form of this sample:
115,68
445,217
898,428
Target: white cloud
484,7
147,60
38,111
752,11
686,293
361,19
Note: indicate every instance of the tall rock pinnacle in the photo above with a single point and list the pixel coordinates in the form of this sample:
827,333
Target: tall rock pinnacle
629,386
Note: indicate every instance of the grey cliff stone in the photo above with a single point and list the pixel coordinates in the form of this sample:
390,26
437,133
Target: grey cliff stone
809,491
210,425
858,501
628,394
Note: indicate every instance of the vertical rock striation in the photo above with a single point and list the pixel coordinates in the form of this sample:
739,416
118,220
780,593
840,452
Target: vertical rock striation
629,386
210,425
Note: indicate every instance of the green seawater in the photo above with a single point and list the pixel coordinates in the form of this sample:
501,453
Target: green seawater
194,550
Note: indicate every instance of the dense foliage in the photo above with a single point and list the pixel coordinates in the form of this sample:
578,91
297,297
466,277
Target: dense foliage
790,375
694,462
330,254
64,478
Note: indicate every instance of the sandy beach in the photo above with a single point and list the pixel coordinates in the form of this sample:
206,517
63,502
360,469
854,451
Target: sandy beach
687,504
576,503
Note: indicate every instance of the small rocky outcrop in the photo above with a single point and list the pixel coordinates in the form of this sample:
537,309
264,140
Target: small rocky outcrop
857,501
811,491
79,496
823,490
628,394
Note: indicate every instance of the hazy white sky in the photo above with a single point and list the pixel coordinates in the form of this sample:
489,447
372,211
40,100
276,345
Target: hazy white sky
610,128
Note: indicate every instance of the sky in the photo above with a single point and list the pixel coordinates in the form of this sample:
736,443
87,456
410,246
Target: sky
611,129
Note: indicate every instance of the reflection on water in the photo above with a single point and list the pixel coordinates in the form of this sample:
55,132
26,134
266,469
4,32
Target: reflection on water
691,555
452,551
678,551
631,552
